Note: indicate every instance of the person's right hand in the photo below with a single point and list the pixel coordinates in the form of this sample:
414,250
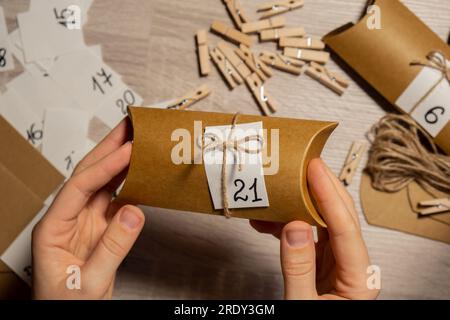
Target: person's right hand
336,267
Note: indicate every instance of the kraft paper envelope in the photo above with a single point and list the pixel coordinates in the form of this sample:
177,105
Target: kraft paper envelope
154,180
382,57
395,211
26,180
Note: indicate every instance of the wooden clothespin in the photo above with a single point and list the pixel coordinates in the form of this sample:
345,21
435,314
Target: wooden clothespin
327,78
190,98
434,206
281,62
203,55
231,34
302,43
237,14
255,26
275,34
264,101
307,55
279,7
254,63
225,67
231,56
352,162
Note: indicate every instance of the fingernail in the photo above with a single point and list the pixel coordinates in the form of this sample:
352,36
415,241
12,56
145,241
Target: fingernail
128,144
129,219
297,238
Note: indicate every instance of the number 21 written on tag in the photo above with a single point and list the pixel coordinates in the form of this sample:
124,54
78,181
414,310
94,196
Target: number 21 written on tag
241,185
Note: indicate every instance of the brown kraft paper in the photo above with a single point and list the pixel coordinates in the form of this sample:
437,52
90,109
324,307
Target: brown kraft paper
382,57
398,210
26,180
154,180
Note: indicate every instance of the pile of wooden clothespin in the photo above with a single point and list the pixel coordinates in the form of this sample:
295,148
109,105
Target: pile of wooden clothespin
239,64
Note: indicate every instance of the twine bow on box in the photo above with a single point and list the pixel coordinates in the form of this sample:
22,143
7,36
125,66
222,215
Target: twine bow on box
436,60
237,146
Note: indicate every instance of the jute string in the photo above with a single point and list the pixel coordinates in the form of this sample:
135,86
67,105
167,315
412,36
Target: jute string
237,146
402,152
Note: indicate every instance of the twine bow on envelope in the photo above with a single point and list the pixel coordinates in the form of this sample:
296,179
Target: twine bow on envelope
438,61
237,146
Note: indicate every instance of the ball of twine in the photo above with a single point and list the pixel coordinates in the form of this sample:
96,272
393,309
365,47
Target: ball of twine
402,152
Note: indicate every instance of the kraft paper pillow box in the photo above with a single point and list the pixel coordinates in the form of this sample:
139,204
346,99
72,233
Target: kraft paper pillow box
26,180
383,56
154,180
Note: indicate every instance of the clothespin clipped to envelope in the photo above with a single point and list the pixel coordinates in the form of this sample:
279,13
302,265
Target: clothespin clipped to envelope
302,43
237,14
278,33
264,101
225,67
190,98
352,162
203,55
281,62
256,26
233,58
307,55
434,206
327,78
279,7
231,34
255,64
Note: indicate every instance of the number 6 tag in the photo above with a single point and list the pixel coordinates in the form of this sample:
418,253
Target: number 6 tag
434,113
246,187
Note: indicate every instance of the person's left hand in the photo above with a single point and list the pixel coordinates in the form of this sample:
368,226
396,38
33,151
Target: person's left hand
84,229
336,267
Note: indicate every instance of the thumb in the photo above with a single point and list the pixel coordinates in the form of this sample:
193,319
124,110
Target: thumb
114,246
298,261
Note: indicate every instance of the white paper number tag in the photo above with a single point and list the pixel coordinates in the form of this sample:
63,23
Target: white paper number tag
246,188
6,60
18,254
51,28
18,113
40,92
86,77
115,107
434,112
64,142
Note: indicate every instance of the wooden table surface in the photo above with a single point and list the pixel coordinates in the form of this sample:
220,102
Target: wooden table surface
185,255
